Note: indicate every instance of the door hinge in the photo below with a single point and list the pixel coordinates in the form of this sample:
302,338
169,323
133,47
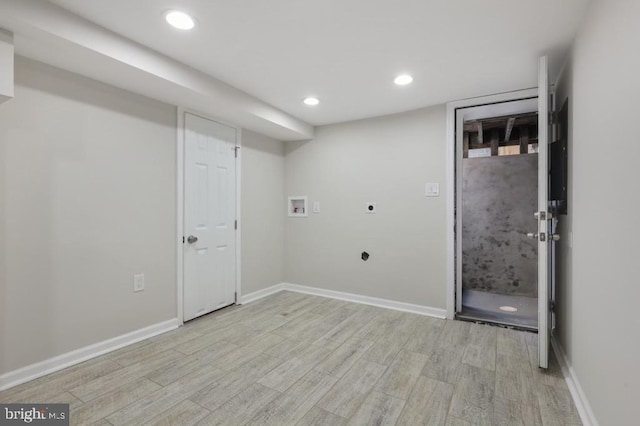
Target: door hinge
183,240
554,124
235,224
235,150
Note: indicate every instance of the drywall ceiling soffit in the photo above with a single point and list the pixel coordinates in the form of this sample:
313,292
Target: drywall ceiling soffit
50,34
348,52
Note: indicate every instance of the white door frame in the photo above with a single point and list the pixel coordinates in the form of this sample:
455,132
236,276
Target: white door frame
180,169
451,179
544,245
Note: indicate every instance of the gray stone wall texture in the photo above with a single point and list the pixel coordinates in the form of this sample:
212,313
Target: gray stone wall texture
499,199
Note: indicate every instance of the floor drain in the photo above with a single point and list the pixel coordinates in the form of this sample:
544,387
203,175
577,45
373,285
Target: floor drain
508,309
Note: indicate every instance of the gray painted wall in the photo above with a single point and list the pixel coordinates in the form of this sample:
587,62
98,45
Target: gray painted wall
499,197
72,231
263,212
598,294
87,189
564,264
386,160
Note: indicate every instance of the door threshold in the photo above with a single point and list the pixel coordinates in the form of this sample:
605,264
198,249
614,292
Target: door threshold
506,324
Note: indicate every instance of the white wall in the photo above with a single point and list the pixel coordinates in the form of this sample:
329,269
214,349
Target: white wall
263,211
87,189
599,322
565,286
6,65
386,160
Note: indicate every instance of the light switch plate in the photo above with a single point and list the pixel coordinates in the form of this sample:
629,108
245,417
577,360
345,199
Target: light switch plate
316,206
138,282
432,190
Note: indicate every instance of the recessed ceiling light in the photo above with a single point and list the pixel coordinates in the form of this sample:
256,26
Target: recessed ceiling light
180,20
508,309
311,101
403,79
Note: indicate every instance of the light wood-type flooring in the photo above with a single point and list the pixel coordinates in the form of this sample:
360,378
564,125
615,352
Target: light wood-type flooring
295,359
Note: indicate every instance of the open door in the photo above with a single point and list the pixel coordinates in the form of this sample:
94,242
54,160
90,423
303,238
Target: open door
544,234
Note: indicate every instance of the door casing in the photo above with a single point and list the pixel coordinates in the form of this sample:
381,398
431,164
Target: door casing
451,179
475,112
180,193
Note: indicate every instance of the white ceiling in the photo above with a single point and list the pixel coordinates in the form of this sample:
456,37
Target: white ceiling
347,52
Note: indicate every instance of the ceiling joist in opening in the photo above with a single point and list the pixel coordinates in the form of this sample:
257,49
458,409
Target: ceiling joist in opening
514,130
530,118
507,134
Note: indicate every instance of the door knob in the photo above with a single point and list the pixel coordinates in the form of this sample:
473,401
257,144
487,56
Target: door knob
532,235
555,237
192,239
543,215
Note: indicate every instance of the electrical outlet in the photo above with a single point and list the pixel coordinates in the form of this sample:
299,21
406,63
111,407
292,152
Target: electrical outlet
138,282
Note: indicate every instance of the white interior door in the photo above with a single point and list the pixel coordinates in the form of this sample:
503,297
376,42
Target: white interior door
209,216
544,221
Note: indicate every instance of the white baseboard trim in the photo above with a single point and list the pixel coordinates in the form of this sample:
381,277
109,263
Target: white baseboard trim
261,293
368,300
42,368
579,398
349,297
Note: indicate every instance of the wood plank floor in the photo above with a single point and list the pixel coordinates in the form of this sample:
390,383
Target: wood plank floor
294,359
